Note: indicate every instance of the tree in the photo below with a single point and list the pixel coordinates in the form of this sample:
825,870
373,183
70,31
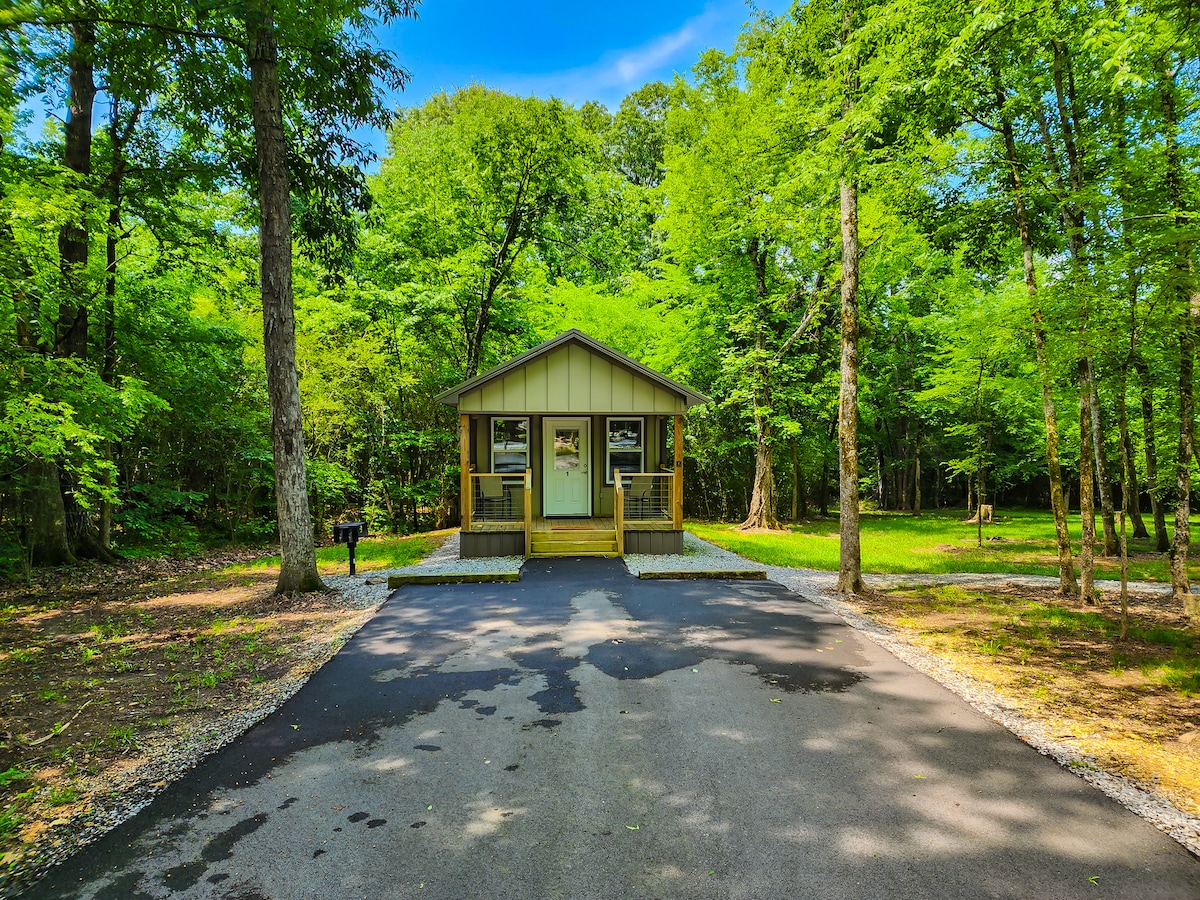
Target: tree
328,83
737,218
298,569
477,192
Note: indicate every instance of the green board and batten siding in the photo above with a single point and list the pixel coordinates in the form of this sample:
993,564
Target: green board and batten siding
574,377
571,378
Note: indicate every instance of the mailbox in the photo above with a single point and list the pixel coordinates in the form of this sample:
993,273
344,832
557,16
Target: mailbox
348,533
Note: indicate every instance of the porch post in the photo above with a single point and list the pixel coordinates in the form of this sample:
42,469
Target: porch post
677,486
527,500
619,512
464,462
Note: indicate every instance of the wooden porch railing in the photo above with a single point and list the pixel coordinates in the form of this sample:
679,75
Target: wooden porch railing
494,498
646,497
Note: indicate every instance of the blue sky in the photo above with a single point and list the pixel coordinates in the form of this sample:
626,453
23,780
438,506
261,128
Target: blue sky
576,51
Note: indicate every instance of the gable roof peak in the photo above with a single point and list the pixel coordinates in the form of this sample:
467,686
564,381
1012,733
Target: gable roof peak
574,335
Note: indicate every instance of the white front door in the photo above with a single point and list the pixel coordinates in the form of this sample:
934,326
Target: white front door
566,482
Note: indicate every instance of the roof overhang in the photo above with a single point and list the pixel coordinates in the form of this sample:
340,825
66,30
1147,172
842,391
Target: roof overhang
574,335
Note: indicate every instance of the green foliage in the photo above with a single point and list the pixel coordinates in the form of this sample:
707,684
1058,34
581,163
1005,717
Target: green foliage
694,228
1019,542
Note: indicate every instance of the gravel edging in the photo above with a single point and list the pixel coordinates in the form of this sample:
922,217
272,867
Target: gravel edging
1140,799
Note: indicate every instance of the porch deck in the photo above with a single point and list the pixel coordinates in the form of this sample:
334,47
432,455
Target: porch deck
566,524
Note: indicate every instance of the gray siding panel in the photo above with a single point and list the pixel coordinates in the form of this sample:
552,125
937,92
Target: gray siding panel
475,545
654,542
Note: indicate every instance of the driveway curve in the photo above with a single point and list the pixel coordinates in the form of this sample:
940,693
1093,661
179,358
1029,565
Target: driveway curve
584,734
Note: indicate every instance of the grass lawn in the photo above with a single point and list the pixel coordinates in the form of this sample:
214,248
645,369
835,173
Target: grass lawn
936,543
371,554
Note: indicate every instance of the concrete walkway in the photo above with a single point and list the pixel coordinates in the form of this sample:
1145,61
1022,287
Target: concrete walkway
584,734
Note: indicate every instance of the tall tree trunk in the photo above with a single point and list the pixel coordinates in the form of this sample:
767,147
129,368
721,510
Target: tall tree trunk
1107,511
501,263
108,367
1150,443
916,508
71,327
1130,493
1180,584
1074,223
823,491
1189,318
46,537
795,483
298,571
764,497
1067,584
850,556
902,494
980,475
1087,500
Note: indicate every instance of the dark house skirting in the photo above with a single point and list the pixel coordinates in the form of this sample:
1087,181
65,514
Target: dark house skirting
654,542
477,544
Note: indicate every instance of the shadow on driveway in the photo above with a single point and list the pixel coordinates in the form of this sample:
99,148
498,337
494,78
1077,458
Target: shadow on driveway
582,733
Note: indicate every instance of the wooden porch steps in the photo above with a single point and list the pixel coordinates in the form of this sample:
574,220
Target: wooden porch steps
572,541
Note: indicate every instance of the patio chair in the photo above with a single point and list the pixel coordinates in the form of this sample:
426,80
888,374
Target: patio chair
494,496
641,492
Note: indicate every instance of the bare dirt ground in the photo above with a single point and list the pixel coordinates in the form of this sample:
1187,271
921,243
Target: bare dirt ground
114,680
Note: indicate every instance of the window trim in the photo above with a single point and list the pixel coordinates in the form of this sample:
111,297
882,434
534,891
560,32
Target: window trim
608,468
492,420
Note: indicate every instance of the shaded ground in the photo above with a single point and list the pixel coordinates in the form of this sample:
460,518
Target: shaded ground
113,680
1131,705
585,734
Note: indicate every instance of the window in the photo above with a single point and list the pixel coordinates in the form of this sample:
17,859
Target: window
626,447
510,445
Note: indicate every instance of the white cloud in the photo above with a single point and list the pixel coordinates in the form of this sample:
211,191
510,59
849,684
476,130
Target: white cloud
634,65
617,72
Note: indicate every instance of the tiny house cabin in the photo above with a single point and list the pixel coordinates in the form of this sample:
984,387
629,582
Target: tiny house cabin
571,449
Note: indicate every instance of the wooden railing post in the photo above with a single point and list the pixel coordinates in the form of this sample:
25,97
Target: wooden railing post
619,512
464,462
528,492
677,478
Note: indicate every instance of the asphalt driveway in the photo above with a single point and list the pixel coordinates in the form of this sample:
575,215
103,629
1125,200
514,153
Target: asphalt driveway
585,734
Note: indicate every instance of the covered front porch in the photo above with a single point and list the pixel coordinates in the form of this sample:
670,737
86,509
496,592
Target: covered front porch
500,521
571,449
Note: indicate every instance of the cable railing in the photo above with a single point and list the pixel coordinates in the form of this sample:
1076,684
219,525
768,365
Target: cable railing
496,498
645,497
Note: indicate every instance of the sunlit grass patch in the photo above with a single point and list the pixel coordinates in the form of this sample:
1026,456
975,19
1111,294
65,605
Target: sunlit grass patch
940,542
371,554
